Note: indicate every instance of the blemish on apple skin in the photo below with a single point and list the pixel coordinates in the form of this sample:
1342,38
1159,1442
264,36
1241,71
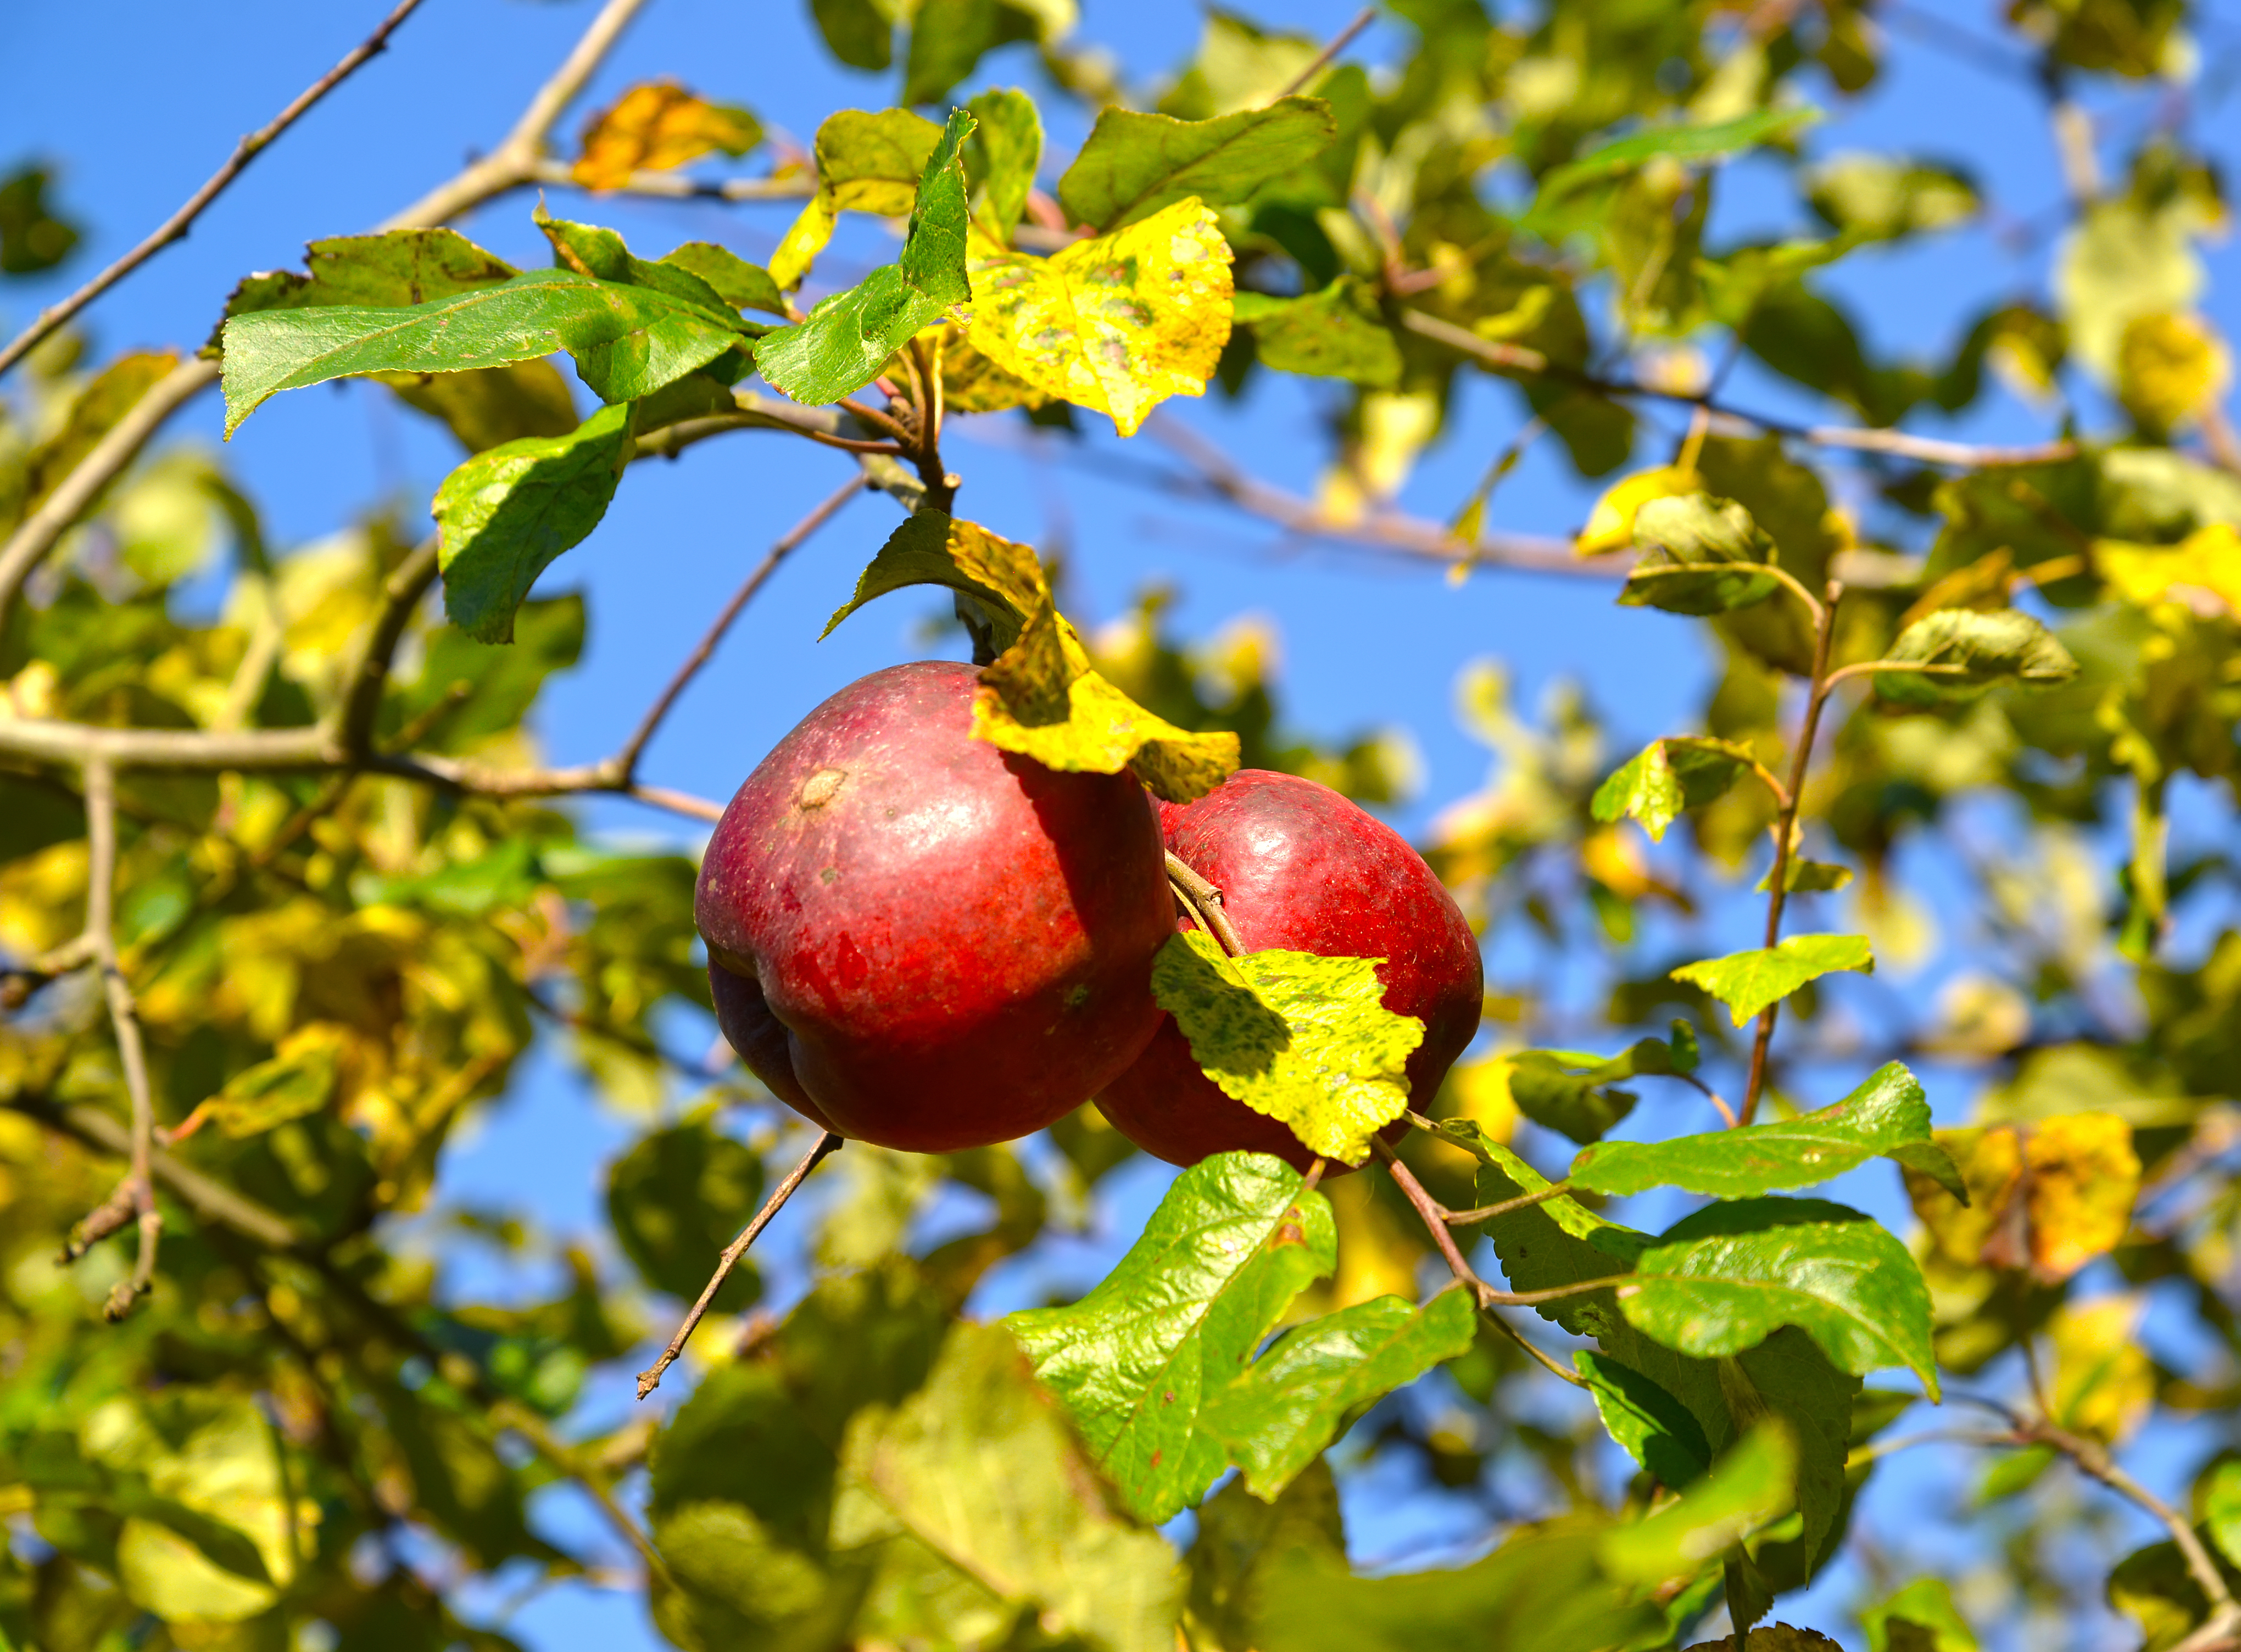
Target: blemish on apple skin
816,791
830,874
1077,995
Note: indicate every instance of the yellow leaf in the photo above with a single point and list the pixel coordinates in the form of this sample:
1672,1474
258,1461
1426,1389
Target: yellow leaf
1377,1255
1042,699
804,239
973,383
2207,560
1479,1091
2168,366
2083,1178
1611,525
2077,1176
656,127
1116,324
2104,1384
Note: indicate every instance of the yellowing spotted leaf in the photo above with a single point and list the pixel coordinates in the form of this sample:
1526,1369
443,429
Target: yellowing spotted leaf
1042,699
2072,1206
1116,324
1303,1038
656,127
2204,565
1611,525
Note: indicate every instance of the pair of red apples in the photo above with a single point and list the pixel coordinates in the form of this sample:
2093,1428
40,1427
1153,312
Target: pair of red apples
918,939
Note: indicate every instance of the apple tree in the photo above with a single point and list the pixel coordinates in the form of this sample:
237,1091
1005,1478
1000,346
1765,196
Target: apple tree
288,892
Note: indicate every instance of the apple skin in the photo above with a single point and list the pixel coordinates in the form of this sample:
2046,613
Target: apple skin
920,940
1303,869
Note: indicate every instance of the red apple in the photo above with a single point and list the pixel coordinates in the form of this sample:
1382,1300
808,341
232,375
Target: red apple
1302,869
919,940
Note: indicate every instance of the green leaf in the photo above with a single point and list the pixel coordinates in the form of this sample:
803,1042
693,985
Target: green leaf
1657,1429
506,513
1886,1117
1701,556
1748,982
979,1470
1709,141
1117,324
1136,1360
298,1079
676,1200
1961,652
1134,163
865,163
1881,197
1919,1618
858,32
933,249
393,269
1811,877
1752,1485
731,278
2220,1501
627,341
1668,776
1002,157
33,237
846,342
1569,1091
1304,1038
1726,1278
1335,334
847,338
492,406
1241,1540
1278,1416
1542,1591
1560,1242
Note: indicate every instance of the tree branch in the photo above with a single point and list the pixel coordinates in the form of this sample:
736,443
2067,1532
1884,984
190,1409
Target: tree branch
75,495
671,186
1203,902
1785,827
175,228
625,761
1339,43
138,1187
515,161
827,1143
1517,358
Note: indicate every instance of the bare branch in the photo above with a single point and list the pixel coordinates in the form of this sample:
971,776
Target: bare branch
1203,902
671,186
101,927
1220,476
175,228
211,1201
354,714
515,161
75,495
625,761
1339,43
827,1143
1517,359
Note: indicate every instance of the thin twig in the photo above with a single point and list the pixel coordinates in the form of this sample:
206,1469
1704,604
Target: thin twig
1435,1219
675,186
1203,902
626,760
1533,1348
100,924
212,1201
1785,827
829,1142
1518,358
175,228
1487,1212
1339,43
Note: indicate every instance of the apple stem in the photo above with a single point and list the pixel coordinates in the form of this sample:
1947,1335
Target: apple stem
1202,903
828,1143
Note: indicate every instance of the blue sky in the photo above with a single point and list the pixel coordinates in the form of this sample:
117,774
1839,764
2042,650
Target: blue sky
136,101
